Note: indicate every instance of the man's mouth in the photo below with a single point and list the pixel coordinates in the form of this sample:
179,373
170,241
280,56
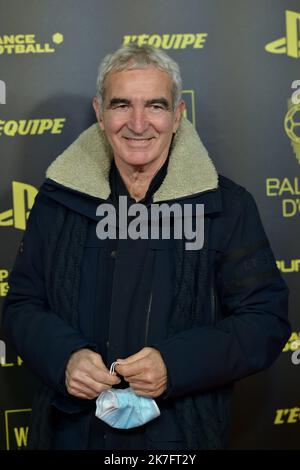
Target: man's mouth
138,139
138,142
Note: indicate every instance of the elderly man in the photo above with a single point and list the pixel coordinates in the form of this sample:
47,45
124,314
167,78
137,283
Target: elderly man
183,325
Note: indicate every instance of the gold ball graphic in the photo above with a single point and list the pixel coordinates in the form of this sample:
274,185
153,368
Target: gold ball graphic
57,38
292,123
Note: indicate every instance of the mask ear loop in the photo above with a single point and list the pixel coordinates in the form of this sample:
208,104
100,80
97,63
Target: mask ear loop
112,367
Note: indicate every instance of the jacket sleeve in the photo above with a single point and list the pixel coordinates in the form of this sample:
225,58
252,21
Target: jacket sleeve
40,337
253,326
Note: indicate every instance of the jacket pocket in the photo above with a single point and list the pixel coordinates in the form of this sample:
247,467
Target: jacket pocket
71,405
165,428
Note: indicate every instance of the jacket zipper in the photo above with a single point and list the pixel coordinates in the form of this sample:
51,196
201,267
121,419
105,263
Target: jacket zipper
148,319
150,299
214,305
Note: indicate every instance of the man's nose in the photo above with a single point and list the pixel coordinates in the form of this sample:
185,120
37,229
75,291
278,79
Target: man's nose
138,121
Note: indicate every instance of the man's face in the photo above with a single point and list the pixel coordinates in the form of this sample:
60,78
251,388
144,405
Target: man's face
138,117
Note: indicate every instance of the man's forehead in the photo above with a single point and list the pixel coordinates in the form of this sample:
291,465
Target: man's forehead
149,77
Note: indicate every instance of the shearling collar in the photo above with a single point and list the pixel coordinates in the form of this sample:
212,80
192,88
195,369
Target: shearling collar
84,166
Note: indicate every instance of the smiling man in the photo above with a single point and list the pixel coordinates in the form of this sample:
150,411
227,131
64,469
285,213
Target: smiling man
181,326
139,119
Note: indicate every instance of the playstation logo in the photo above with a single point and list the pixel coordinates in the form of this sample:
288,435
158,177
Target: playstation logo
2,92
23,196
290,44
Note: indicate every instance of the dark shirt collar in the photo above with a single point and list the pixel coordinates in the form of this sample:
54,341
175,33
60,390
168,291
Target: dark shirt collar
118,187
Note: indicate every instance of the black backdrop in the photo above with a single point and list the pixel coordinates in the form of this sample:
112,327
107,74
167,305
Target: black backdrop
238,60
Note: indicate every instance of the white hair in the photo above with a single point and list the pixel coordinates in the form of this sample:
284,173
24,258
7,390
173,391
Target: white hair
132,57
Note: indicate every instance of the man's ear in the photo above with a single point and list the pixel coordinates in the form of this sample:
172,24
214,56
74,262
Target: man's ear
178,114
97,108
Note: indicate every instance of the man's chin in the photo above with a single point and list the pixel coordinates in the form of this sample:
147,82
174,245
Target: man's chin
138,159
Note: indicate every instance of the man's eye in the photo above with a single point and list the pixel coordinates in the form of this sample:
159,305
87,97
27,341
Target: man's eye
121,106
157,107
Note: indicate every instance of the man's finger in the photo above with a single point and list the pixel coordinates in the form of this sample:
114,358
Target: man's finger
94,386
138,380
135,357
131,369
142,387
143,393
103,376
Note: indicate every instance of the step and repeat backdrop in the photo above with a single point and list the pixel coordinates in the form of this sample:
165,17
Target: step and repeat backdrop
240,64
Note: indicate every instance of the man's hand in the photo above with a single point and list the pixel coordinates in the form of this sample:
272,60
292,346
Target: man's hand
87,376
145,372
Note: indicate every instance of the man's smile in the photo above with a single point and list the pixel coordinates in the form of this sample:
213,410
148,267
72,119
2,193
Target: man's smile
137,141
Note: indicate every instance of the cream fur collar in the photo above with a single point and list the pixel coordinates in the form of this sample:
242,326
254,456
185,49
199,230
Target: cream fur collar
84,165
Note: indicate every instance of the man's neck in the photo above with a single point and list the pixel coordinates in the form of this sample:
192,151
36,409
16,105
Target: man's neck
138,178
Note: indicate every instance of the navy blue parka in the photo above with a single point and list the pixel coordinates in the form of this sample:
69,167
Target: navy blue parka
247,297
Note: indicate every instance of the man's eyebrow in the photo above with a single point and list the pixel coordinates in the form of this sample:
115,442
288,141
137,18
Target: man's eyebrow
161,100
117,100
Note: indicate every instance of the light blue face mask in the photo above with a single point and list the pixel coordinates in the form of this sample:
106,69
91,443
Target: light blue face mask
123,409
